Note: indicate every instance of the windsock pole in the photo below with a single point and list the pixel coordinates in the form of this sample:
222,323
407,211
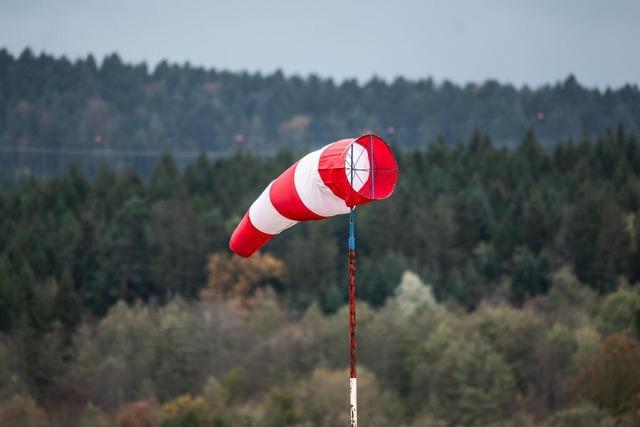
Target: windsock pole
353,385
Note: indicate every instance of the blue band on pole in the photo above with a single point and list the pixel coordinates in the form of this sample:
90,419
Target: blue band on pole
352,231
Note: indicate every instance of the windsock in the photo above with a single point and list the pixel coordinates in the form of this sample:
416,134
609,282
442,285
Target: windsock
322,184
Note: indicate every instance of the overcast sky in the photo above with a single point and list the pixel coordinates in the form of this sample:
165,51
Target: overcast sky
516,41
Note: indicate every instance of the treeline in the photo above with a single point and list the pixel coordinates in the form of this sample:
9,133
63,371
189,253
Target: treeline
470,219
54,111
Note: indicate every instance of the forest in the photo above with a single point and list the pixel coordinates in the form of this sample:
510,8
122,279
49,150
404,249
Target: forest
499,286
55,112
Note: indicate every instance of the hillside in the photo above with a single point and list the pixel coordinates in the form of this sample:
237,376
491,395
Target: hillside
54,112
495,286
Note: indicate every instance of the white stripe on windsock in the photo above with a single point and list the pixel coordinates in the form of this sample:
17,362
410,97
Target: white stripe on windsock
265,217
315,195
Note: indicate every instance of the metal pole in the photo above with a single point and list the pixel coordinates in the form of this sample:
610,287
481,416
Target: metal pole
353,385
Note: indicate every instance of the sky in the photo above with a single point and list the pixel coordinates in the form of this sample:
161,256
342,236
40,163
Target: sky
512,41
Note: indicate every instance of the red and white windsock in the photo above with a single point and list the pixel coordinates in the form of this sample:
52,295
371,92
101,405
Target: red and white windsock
322,184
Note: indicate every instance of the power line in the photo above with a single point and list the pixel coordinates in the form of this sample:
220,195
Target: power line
107,152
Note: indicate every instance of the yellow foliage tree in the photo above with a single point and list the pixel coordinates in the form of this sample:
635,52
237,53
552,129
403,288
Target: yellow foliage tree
185,411
234,277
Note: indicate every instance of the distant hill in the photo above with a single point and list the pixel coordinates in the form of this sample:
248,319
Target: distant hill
53,110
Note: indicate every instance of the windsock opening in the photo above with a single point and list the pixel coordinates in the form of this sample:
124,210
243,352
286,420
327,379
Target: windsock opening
359,170
383,166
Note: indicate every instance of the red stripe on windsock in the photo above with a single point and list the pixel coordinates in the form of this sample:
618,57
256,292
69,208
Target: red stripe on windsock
246,238
332,171
286,200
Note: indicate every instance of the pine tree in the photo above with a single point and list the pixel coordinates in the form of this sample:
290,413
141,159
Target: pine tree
66,304
7,302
